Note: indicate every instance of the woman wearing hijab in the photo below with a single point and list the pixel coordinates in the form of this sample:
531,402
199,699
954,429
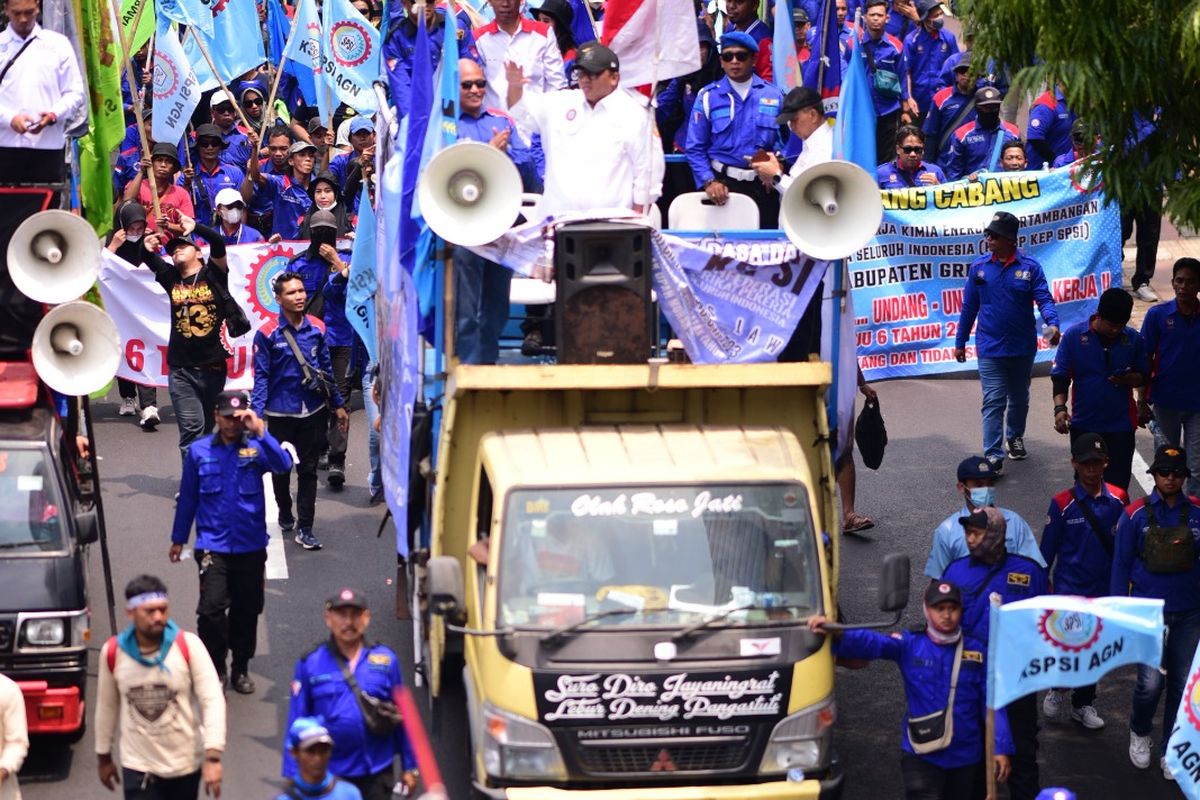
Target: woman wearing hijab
327,196
559,16
126,241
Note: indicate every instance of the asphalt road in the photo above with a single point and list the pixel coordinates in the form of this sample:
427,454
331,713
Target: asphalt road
932,424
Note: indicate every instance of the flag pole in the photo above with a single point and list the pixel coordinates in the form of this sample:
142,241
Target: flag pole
269,120
989,738
208,60
137,100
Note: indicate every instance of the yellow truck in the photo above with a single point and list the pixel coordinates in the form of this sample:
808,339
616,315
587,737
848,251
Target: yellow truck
622,561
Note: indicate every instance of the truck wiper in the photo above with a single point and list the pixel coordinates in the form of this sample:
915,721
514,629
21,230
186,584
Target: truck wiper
556,634
723,615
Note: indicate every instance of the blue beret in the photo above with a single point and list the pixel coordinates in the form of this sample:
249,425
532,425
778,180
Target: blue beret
739,39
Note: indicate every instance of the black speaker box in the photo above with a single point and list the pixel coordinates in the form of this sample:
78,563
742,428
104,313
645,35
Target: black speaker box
604,314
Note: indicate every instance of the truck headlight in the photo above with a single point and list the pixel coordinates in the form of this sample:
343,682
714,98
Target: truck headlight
801,740
49,632
515,747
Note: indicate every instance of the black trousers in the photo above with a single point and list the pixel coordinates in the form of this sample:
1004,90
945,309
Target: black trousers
1120,455
374,787
231,598
142,786
32,165
766,199
1024,783
1149,229
307,435
146,395
885,135
927,781
341,358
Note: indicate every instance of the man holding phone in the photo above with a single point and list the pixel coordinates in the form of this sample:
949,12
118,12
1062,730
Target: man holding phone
1105,359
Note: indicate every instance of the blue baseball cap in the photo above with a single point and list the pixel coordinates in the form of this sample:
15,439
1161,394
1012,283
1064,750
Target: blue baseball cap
306,732
739,39
361,124
977,468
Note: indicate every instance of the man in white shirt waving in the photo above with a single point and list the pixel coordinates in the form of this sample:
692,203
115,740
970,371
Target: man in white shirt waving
40,89
602,147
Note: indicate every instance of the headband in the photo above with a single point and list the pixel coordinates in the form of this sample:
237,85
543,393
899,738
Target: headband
139,600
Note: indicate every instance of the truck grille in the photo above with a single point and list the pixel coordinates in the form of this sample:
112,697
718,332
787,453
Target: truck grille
6,634
663,757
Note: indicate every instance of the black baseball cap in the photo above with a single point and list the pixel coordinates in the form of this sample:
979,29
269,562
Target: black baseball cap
1004,226
1089,447
988,96
942,592
976,468
596,59
315,124
797,99
1170,457
176,242
976,519
799,15
210,131
231,401
346,598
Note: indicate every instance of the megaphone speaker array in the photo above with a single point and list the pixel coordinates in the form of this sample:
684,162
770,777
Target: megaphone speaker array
470,194
831,210
54,257
76,348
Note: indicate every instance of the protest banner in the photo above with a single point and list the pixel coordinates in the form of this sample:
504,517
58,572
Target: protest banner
1183,747
908,282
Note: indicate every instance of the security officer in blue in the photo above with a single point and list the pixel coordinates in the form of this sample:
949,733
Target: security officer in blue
732,120
328,682
952,107
926,49
978,144
885,73
221,490
932,659
991,570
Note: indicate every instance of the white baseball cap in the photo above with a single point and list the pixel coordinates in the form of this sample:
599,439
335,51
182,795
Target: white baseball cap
218,97
227,197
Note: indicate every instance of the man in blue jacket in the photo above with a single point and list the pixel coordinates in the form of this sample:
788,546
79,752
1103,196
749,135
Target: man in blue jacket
885,72
1078,543
222,492
1171,574
1000,292
952,107
294,389
928,659
326,684
926,49
977,145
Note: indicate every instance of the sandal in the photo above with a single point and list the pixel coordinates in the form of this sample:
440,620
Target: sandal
856,523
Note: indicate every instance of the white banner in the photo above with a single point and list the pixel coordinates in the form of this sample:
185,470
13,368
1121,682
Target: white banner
139,306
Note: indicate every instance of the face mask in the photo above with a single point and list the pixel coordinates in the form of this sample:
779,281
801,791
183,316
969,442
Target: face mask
135,238
232,215
988,119
938,23
329,207
982,496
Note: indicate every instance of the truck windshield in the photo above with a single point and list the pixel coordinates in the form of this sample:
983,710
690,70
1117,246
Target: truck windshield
676,554
30,507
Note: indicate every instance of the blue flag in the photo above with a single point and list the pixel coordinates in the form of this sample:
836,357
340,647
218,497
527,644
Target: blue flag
350,56
1183,748
176,90
193,13
232,50
420,109
785,63
1064,641
360,293
854,132
303,57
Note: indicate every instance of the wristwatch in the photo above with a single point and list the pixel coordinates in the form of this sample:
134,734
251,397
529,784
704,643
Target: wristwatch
777,178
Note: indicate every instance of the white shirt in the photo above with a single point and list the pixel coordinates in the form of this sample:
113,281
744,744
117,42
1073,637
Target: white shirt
533,48
603,156
45,78
818,148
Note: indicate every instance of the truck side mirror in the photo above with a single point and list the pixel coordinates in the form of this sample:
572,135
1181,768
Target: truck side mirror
445,581
893,583
87,527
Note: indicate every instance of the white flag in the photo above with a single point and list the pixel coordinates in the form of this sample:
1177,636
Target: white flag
176,90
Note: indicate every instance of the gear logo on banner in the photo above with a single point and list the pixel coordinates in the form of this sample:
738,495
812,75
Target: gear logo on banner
166,77
260,279
350,43
1072,631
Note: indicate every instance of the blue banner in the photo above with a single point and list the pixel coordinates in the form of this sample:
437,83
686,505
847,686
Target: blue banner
908,282
785,64
304,55
193,13
1063,641
1183,748
350,56
360,292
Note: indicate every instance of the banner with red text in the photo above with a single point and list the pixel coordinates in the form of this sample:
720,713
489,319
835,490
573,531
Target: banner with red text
908,282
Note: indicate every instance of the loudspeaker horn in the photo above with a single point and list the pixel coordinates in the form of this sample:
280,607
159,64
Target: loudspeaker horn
76,348
470,193
832,210
54,256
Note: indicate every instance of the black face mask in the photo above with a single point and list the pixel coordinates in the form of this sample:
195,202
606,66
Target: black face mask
988,118
319,236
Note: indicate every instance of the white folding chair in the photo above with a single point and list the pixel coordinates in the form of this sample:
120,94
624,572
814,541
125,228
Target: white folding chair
694,212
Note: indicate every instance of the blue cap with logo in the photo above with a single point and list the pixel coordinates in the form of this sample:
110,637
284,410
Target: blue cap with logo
975,468
306,732
739,39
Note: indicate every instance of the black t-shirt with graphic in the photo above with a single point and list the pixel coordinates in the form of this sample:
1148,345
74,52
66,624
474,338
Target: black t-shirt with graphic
196,316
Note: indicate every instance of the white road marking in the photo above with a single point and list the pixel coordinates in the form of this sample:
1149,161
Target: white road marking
277,545
1141,471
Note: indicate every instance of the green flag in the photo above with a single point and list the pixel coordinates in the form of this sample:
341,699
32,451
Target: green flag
102,60
145,28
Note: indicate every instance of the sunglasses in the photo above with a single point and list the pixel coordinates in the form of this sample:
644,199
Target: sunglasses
209,143
1175,472
253,101
224,108
479,83
910,149
735,55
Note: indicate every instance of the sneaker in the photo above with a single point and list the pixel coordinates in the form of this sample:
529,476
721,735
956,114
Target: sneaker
1052,703
377,498
149,420
286,521
323,461
1162,763
337,476
997,466
1016,448
242,684
1087,717
1144,292
1139,750
305,538
128,407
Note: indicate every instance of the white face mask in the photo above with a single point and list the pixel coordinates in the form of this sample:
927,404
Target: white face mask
133,237
232,215
332,203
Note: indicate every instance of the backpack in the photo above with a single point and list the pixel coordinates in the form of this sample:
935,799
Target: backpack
110,651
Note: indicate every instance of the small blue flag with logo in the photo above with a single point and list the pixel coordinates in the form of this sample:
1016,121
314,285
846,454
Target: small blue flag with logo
1065,641
350,55
1183,748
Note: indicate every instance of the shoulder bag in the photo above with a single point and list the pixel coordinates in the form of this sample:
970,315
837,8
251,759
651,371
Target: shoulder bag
933,732
314,379
381,716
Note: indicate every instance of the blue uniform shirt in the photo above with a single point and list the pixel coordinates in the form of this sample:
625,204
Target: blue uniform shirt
885,54
338,331
221,489
320,690
339,165
278,377
1173,343
1014,578
401,45
926,668
206,184
237,150
924,55
313,269
1082,564
490,122
334,790
950,543
727,129
1049,120
974,148
890,176
944,111
243,235
1089,360
1001,296
1179,591
289,203
259,202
